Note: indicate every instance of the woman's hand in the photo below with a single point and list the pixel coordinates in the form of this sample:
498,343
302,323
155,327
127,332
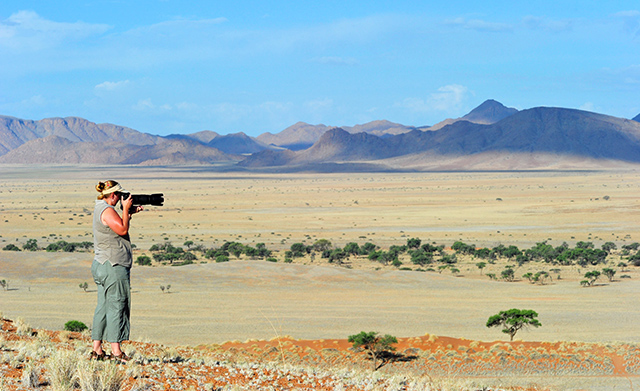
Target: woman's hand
127,203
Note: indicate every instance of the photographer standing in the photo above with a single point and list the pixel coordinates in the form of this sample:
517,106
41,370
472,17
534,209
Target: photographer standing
111,269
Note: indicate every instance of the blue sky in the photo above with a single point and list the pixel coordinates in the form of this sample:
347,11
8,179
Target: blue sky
168,66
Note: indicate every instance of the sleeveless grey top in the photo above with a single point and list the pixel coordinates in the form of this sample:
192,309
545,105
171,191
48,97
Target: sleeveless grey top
107,245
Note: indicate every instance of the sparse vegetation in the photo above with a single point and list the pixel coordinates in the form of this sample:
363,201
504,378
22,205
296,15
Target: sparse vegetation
11,247
75,325
376,347
514,320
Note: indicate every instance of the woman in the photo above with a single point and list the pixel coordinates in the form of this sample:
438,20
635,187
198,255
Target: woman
110,270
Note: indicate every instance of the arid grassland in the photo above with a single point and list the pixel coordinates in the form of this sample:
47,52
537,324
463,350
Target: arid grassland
310,298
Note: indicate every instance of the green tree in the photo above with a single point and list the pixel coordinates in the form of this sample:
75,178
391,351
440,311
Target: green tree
591,278
481,265
235,248
368,248
508,274
298,250
352,248
75,325
143,260
222,258
513,320
11,247
321,245
609,273
376,347
84,286
608,247
414,243
540,277
31,245
4,284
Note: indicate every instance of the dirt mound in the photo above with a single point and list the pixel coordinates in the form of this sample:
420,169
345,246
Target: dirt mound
420,363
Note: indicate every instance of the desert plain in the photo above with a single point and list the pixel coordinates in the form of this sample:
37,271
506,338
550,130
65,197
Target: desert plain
246,299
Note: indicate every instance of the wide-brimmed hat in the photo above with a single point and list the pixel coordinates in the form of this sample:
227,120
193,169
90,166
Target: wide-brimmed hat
114,189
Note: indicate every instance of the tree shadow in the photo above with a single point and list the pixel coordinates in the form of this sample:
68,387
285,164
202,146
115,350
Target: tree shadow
388,357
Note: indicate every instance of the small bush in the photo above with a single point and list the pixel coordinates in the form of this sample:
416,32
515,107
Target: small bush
75,325
222,258
143,260
11,247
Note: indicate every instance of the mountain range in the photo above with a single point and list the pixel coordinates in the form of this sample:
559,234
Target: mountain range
489,137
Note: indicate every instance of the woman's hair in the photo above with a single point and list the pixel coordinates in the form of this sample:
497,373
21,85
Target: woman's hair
102,186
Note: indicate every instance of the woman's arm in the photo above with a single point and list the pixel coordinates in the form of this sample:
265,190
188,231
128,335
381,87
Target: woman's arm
119,225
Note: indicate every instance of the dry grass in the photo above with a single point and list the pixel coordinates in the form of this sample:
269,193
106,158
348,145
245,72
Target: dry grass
310,299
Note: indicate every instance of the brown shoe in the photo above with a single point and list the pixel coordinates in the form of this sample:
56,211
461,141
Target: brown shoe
121,358
98,357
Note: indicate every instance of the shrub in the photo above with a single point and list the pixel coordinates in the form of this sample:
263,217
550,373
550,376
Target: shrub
375,346
75,325
513,320
298,250
272,259
11,247
61,369
413,242
222,258
143,260
322,245
31,245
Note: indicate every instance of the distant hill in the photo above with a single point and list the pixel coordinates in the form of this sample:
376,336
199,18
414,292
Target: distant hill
489,112
543,130
238,143
59,150
637,118
15,132
491,136
302,135
268,158
204,136
381,128
296,137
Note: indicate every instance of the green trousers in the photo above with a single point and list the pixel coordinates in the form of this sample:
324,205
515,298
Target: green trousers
111,318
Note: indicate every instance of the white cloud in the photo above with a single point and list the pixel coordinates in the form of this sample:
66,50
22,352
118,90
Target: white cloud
144,105
538,23
36,100
479,25
631,21
26,30
588,106
112,85
448,98
319,104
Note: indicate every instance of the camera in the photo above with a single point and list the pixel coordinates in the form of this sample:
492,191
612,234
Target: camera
143,199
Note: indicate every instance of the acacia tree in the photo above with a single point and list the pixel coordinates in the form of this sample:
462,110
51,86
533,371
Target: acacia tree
513,320
591,278
609,273
376,346
481,265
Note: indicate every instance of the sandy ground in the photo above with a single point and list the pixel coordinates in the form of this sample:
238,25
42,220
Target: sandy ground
211,207
254,299
238,300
